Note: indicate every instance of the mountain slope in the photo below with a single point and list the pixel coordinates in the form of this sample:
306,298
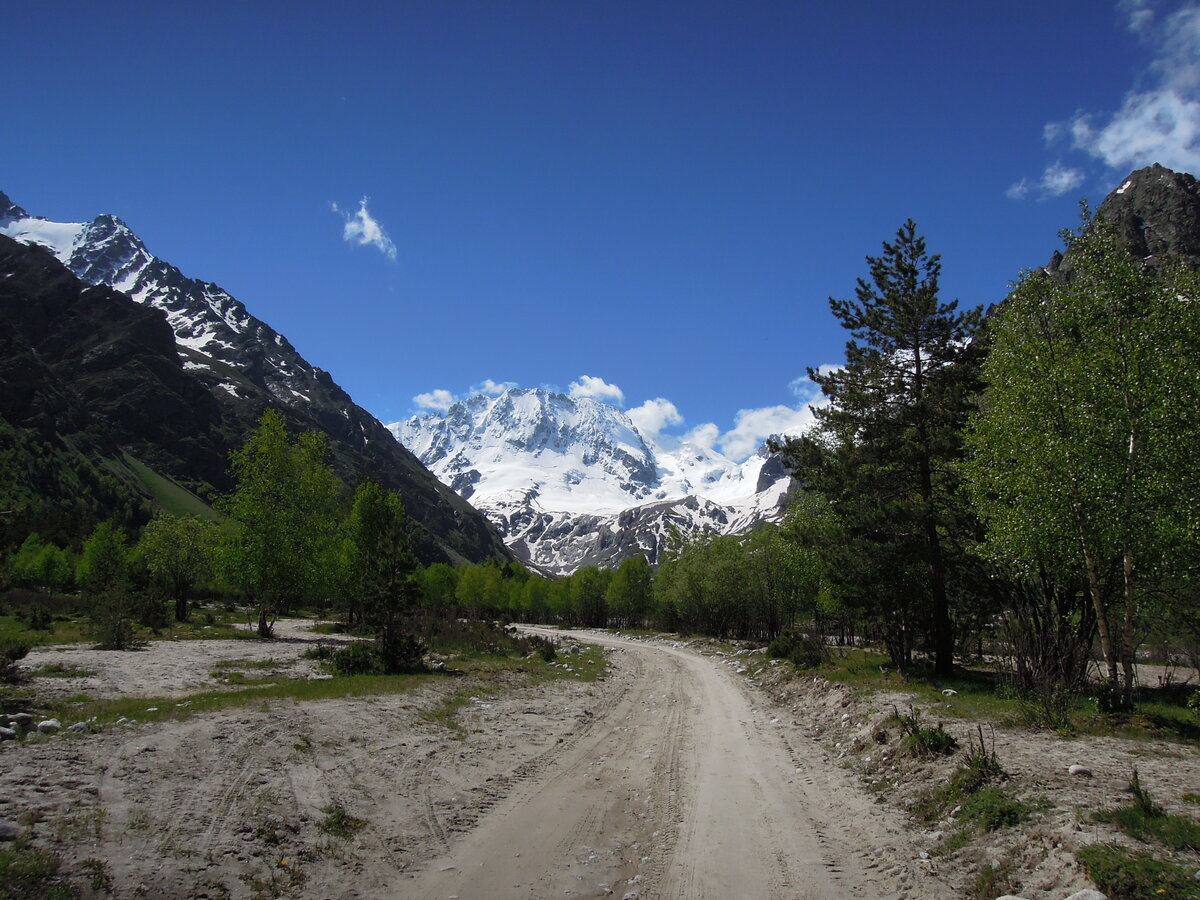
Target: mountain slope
241,367
571,482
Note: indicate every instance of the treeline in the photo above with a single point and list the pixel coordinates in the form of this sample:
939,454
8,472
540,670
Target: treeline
1022,484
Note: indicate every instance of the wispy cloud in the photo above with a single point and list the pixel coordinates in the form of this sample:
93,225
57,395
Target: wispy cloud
653,416
439,399
1158,119
596,389
492,388
751,427
363,229
1055,181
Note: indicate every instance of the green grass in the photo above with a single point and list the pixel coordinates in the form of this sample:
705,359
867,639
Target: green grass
1136,875
28,874
445,713
56,670
173,498
984,696
251,692
340,823
1145,820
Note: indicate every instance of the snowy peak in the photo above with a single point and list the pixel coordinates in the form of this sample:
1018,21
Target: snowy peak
572,482
573,455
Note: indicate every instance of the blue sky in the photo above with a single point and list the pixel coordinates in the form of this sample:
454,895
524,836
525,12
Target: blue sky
658,196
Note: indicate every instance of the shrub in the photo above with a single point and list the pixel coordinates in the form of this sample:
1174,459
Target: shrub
992,808
10,652
38,618
1136,875
113,622
805,651
359,658
921,741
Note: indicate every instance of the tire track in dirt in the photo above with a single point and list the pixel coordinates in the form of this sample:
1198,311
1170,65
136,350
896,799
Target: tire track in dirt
685,787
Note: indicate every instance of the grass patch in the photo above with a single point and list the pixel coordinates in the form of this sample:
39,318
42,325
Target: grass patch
269,663
28,874
340,823
993,881
445,713
56,670
1136,875
587,665
1145,820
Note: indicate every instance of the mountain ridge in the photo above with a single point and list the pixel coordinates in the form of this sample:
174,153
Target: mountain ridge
245,366
572,481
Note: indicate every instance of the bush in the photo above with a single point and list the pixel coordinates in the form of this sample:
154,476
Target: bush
10,652
399,654
993,808
359,658
1135,875
113,622
805,651
921,741
38,618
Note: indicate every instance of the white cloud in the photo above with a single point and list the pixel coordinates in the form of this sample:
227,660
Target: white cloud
753,426
653,416
1055,181
1162,122
1140,15
596,389
493,388
439,399
363,229
705,435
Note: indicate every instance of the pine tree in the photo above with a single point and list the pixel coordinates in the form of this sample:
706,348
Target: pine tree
884,444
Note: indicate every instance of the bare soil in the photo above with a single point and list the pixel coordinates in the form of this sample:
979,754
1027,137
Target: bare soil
677,774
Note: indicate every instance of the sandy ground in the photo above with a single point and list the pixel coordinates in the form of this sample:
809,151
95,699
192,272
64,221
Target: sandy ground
678,774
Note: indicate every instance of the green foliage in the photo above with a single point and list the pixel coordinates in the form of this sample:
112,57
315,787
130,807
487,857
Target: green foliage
283,512
994,880
11,651
628,598
992,808
29,874
804,650
401,656
178,554
921,740
104,563
1145,819
340,823
883,452
41,565
1082,457
1136,875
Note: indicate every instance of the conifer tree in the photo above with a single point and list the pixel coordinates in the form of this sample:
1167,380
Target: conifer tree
884,444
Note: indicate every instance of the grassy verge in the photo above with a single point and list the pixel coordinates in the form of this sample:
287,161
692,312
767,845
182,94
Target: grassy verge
978,695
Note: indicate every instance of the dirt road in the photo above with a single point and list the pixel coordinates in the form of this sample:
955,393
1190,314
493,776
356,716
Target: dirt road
685,786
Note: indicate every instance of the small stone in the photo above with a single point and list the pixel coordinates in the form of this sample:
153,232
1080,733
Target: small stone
8,734
1088,894
49,726
949,692
79,728
1083,771
9,831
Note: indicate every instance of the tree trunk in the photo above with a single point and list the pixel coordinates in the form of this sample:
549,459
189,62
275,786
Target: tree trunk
1106,644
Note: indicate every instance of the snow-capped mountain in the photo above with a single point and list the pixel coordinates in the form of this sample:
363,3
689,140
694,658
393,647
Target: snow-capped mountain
572,482
247,367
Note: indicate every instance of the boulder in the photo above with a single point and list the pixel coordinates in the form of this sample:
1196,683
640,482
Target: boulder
9,831
1082,771
49,726
8,734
